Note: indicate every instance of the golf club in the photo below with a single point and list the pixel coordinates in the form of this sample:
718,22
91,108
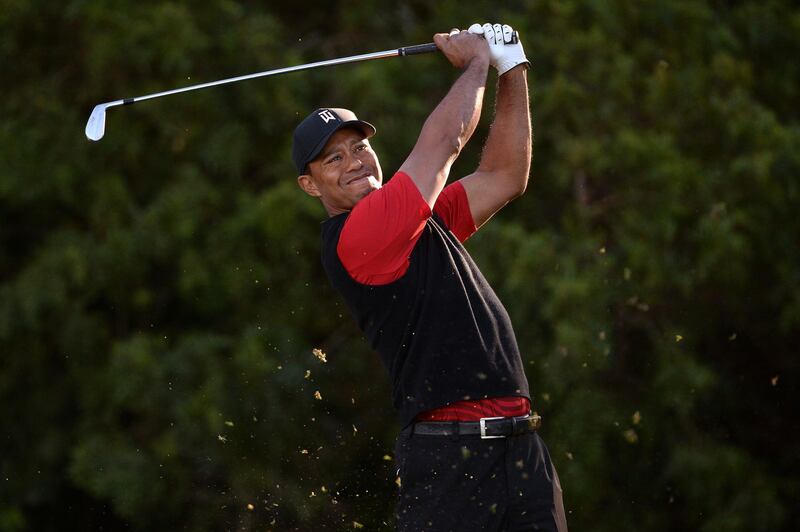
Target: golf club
96,126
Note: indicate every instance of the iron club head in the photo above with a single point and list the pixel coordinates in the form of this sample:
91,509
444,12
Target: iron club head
96,125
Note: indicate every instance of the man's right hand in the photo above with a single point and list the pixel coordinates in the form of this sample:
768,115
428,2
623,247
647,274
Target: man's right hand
462,47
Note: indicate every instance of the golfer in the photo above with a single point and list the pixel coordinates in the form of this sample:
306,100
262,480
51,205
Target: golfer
468,456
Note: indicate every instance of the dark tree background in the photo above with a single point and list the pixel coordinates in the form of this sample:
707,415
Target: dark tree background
161,291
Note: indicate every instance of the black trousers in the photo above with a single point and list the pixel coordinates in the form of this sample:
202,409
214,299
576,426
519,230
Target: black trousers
464,483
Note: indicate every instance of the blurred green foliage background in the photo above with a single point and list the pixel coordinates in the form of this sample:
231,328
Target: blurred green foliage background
161,290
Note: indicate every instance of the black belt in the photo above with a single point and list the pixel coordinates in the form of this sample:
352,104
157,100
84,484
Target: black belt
487,427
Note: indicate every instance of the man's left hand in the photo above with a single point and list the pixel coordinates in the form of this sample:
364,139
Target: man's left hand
504,53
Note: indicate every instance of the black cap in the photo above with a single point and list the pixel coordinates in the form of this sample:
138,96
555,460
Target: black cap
311,135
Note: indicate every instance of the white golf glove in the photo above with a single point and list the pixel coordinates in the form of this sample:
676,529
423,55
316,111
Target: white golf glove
504,55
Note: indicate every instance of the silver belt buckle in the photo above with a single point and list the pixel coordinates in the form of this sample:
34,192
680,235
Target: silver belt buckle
482,422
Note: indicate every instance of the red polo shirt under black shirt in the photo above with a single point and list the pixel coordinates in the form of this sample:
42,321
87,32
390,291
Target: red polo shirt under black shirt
375,247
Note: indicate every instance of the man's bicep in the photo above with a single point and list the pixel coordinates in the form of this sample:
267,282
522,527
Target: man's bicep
486,194
452,206
428,165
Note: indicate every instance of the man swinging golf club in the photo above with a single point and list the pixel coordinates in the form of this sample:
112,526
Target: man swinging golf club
469,457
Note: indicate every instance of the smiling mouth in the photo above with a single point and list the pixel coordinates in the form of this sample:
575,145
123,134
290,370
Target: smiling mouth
357,178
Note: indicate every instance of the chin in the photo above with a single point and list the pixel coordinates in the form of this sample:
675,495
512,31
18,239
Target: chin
365,193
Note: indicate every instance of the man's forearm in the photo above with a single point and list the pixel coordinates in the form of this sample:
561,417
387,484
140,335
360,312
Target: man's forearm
447,130
455,118
507,151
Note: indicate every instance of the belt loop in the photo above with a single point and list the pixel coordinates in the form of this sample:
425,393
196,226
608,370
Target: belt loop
513,426
454,436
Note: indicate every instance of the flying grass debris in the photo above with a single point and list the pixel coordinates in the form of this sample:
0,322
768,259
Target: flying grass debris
318,396
320,354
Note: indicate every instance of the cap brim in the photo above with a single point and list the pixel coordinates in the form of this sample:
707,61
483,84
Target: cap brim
366,128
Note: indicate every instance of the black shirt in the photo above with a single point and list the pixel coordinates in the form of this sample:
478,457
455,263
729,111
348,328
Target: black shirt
440,329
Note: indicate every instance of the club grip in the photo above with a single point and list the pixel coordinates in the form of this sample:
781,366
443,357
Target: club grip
417,49
431,47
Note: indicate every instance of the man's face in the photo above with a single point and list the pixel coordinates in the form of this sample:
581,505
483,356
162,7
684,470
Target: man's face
345,171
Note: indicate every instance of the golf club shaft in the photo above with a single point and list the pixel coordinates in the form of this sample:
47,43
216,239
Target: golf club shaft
96,125
401,52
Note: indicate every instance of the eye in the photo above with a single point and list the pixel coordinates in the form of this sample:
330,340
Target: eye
333,159
360,147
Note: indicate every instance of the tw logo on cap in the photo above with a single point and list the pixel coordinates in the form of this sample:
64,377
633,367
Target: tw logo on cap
327,116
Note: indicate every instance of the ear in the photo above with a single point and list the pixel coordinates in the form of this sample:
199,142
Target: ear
308,186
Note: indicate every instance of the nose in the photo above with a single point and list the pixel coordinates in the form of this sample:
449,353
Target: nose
355,162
